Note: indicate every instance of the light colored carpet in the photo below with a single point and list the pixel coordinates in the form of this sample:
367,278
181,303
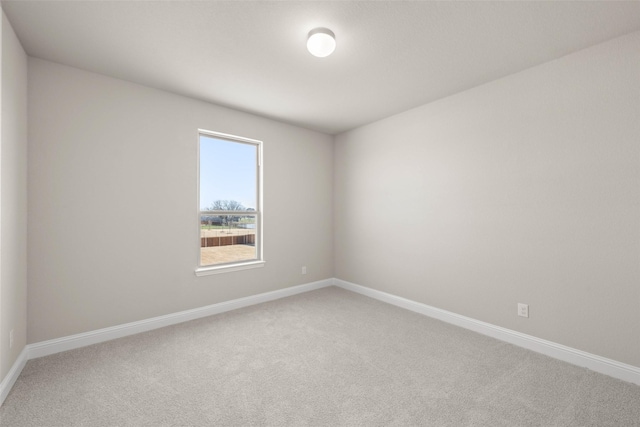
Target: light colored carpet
326,358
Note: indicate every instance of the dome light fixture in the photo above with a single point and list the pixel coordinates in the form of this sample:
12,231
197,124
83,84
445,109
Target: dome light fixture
321,42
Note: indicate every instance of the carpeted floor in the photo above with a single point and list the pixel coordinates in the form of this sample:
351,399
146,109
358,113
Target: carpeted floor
326,358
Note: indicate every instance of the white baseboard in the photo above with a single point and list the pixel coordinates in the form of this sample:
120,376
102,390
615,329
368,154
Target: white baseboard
13,374
71,342
577,357
581,358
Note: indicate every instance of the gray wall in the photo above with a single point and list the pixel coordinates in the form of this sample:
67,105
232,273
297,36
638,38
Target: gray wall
112,203
13,198
522,190
526,189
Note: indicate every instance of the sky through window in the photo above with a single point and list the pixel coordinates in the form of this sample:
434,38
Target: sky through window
227,172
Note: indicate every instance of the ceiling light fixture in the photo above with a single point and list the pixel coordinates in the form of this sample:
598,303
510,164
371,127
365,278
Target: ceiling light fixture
321,42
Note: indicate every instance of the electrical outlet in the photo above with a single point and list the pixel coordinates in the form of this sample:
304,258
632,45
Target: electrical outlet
304,270
523,310
11,339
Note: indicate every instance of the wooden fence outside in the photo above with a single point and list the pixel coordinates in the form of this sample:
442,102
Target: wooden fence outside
246,239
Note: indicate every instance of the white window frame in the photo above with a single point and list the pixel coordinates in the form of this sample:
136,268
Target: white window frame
239,265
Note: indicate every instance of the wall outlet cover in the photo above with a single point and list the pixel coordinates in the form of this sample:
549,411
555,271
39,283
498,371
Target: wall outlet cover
523,310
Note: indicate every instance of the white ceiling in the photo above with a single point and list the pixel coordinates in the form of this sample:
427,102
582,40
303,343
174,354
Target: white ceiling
391,56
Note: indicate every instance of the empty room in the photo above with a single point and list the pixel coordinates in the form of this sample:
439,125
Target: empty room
328,213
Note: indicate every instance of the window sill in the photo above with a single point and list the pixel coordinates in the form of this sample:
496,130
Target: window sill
206,271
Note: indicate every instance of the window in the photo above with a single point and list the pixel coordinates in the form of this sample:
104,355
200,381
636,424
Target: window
229,203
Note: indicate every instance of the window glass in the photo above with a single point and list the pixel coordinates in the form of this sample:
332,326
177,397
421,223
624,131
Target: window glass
229,200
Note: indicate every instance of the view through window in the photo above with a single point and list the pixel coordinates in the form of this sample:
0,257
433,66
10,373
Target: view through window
229,199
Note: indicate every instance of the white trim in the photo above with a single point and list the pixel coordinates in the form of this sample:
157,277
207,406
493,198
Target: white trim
596,363
13,374
46,348
205,271
58,345
228,136
581,358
